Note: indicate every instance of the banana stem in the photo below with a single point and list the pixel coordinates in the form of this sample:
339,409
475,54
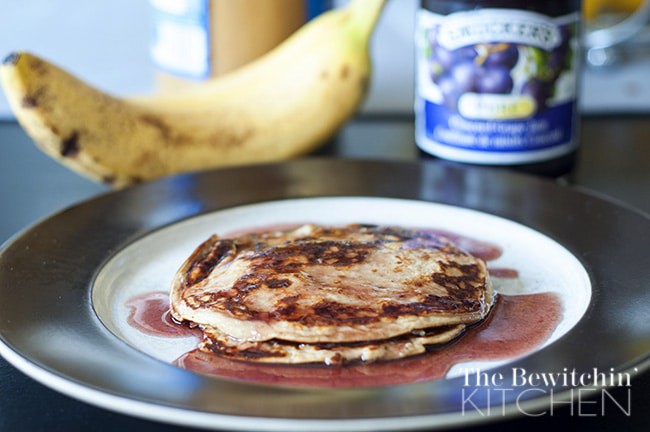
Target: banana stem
365,13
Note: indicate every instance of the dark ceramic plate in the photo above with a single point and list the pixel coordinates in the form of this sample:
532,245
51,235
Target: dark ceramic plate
61,323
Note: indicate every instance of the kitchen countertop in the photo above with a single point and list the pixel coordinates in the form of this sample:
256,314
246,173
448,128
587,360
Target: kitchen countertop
614,162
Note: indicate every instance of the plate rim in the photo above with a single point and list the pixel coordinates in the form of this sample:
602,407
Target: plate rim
44,375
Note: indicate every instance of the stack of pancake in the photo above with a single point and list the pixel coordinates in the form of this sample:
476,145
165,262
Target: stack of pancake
330,294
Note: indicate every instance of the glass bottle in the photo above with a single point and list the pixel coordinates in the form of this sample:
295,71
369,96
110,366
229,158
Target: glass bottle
497,82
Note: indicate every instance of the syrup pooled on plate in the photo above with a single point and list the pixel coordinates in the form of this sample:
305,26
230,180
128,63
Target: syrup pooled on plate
149,313
517,325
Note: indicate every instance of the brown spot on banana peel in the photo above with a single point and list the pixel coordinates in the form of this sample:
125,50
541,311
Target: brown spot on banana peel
109,179
229,140
35,65
33,100
168,134
70,146
163,128
345,71
29,102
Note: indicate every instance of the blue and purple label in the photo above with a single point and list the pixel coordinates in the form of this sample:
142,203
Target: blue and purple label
496,86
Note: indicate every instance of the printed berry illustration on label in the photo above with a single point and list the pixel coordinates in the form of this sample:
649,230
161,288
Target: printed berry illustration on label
496,86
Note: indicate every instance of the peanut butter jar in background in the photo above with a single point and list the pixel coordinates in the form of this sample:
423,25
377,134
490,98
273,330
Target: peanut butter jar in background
194,40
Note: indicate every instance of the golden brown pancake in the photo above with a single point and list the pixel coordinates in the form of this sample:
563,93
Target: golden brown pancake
279,351
333,285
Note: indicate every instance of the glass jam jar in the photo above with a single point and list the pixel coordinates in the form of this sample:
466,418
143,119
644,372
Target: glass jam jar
497,82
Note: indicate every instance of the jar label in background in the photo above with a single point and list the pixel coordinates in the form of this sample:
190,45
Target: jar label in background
181,40
496,86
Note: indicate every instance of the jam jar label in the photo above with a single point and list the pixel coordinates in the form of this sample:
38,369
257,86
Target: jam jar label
496,86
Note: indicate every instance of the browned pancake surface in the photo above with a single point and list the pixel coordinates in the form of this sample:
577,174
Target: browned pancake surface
330,284
279,351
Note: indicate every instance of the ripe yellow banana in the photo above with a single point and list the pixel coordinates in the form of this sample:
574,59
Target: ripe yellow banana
282,105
